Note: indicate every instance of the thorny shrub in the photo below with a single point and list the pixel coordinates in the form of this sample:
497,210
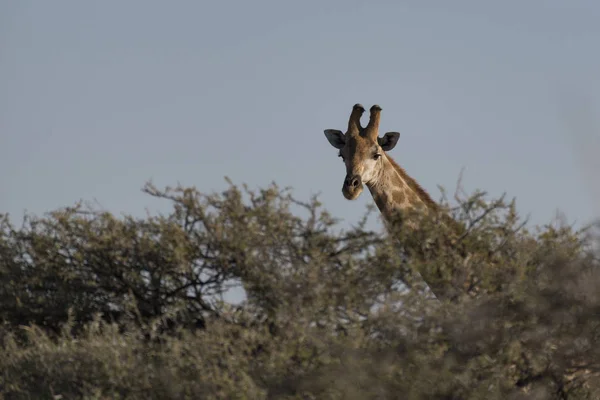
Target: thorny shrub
95,306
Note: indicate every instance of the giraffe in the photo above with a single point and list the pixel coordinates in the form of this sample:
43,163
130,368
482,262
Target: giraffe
366,160
364,154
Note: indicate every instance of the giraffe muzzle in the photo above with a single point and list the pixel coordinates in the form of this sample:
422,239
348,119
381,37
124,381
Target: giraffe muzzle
352,187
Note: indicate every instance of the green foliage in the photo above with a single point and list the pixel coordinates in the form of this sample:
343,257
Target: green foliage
96,307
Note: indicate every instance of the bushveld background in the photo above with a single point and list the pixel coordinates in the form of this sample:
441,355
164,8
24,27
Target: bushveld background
96,306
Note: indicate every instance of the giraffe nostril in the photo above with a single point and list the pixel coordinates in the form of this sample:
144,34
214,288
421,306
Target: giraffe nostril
353,181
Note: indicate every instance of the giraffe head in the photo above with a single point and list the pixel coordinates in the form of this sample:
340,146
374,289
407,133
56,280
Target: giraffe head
362,150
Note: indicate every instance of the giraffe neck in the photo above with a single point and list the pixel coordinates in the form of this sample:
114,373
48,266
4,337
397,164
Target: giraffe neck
395,191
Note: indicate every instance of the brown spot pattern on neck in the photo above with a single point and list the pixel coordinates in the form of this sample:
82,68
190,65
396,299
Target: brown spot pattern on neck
414,186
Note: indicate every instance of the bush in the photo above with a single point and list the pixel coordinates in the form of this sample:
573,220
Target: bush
95,306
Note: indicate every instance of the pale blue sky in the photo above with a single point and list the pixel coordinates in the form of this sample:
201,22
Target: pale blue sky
98,97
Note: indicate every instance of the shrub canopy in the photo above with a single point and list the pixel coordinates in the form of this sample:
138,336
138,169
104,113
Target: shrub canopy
97,306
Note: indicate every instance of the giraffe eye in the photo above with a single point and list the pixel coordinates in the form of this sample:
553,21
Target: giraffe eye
377,156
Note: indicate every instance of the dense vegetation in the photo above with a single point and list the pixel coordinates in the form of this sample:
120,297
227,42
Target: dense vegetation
96,306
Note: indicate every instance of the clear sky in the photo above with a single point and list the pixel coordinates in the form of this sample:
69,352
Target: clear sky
96,98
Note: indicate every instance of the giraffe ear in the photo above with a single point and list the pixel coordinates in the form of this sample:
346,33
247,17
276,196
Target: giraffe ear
389,140
335,137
